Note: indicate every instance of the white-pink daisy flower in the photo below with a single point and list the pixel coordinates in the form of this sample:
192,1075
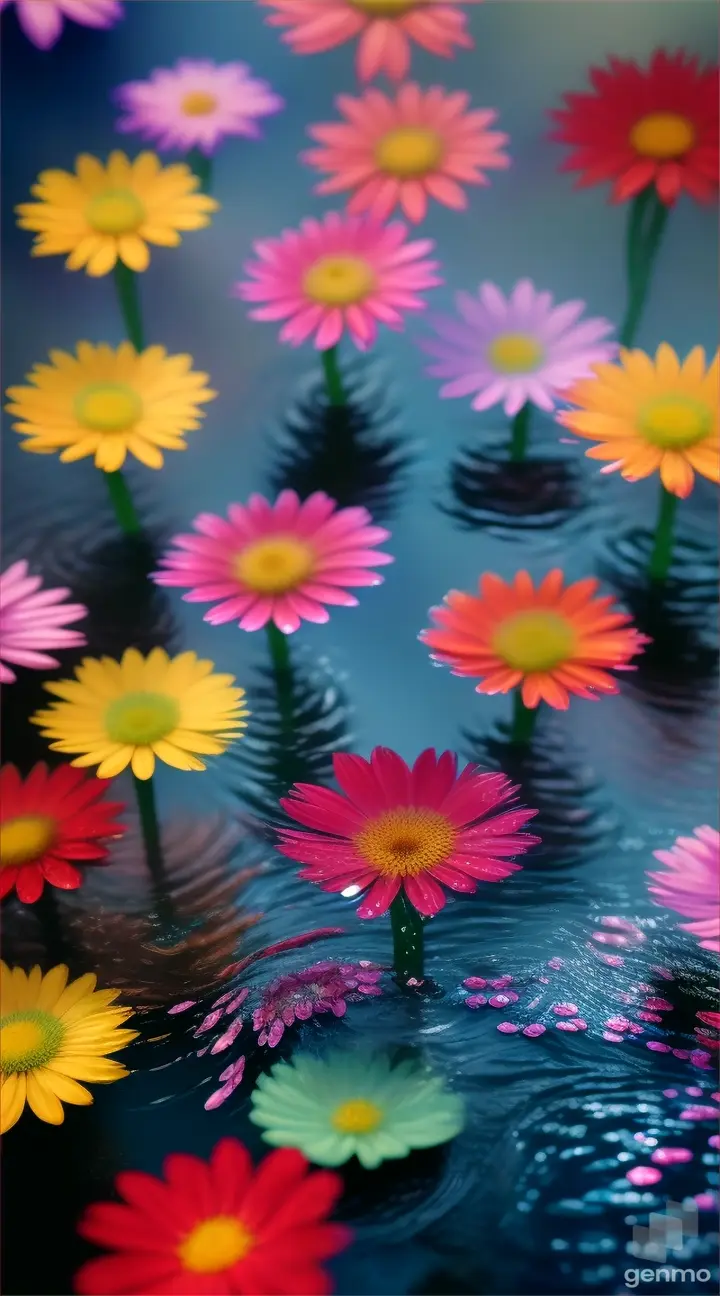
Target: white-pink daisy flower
281,562
42,20
33,618
338,274
196,104
516,349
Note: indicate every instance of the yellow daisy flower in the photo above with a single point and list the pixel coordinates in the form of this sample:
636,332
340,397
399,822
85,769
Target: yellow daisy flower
124,713
110,403
651,415
104,213
53,1034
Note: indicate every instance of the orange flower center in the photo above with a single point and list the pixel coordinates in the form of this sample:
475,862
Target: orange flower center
25,838
356,1116
675,422
515,353
117,211
409,151
215,1244
662,135
339,280
534,641
198,103
385,8
274,566
401,843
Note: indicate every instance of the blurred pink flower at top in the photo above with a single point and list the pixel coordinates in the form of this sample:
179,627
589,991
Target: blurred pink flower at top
196,104
337,274
280,562
33,618
691,887
42,20
386,29
404,150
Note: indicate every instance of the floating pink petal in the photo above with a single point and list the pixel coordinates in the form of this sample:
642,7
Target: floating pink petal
643,1175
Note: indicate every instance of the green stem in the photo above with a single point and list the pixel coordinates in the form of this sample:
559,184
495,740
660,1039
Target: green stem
122,502
333,377
520,430
282,670
661,556
523,721
145,793
127,291
646,223
201,164
407,932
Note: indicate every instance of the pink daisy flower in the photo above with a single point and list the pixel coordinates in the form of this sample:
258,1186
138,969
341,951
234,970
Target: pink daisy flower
386,29
397,828
692,886
406,150
196,104
335,274
511,350
32,618
278,562
42,20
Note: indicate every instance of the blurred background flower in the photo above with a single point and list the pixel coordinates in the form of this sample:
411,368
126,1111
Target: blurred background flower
32,619
692,885
42,20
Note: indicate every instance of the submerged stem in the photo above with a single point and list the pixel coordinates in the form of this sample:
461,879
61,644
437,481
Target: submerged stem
646,222
122,502
661,556
333,377
523,721
407,932
201,164
127,291
145,793
520,431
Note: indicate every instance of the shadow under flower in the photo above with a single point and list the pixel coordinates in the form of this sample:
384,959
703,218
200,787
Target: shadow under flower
488,491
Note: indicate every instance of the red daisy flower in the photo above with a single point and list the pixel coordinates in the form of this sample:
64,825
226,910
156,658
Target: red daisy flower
401,828
216,1228
644,126
49,823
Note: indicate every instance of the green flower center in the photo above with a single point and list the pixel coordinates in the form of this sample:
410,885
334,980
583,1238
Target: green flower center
675,422
534,641
108,407
141,718
409,151
357,1116
662,135
117,211
25,838
215,1244
28,1040
515,353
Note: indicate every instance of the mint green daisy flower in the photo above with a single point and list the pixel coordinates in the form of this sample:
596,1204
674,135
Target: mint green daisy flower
354,1104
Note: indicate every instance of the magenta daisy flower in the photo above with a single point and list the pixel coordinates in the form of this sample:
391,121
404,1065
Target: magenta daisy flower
196,104
337,274
33,618
280,562
517,349
398,828
692,886
42,20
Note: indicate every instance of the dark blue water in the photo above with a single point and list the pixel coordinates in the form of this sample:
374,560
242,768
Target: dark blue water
531,1198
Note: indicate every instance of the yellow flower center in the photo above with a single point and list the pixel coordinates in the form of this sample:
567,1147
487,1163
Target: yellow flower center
662,135
409,151
515,353
534,641
675,422
108,407
404,842
385,8
28,1040
274,566
198,103
215,1244
141,718
357,1116
25,838
339,280
117,211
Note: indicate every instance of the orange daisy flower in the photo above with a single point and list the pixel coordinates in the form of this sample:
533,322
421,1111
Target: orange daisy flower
406,149
651,416
551,641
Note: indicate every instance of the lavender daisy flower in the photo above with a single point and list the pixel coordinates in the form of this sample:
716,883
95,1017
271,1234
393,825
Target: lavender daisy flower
196,104
43,22
515,350
324,987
